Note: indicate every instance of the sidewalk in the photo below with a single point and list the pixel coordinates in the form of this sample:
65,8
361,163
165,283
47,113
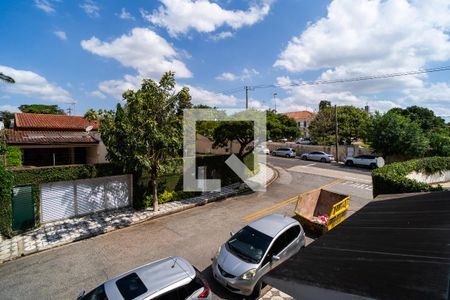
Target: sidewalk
59,233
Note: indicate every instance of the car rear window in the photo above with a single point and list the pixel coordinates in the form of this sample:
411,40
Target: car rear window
96,294
131,286
182,292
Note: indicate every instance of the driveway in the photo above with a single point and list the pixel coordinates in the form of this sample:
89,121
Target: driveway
195,234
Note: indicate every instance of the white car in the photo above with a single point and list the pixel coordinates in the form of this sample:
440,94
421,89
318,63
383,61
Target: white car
318,156
261,149
370,161
285,152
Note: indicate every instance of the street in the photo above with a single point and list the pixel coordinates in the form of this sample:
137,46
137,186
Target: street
195,234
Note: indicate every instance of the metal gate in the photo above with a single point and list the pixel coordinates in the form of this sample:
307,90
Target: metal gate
22,208
66,199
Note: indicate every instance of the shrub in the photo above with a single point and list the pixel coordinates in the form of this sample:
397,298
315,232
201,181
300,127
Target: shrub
392,179
6,185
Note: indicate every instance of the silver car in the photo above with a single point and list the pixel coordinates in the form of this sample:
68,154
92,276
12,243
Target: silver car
168,278
285,152
318,156
257,248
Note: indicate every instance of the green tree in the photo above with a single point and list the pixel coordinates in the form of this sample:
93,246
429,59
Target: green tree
394,134
425,117
41,109
91,114
6,117
241,131
352,125
440,142
281,126
147,133
324,104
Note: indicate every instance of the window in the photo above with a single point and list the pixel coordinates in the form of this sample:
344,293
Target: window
304,124
292,233
182,292
96,294
249,244
131,286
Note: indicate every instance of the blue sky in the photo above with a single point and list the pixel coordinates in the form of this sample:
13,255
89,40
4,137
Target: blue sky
88,52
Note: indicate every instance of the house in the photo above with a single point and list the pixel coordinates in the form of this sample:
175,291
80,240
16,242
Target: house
303,119
48,140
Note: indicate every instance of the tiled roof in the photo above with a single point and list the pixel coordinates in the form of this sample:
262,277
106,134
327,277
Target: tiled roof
304,114
33,137
52,122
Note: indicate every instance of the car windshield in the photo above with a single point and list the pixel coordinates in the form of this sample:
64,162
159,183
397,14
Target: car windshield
249,244
96,294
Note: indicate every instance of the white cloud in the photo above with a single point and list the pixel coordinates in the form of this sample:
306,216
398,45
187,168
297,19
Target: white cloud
45,6
142,50
125,15
33,85
246,74
202,96
360,38
98,94
222,35
181,16
61,34
91,8
8,107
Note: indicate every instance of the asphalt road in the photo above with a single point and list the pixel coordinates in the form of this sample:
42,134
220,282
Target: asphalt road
195,234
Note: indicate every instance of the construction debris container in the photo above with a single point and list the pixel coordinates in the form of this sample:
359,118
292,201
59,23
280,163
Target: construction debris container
321,210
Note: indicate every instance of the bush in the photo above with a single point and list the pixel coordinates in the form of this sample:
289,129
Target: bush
6,185
392,179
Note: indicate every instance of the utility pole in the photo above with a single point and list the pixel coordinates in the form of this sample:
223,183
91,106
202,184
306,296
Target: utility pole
337,133
275,101
247,88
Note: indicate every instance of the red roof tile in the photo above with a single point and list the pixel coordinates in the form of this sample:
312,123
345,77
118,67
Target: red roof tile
33,137
52,122
304,114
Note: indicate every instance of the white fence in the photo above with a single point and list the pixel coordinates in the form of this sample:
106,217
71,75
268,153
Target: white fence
66,199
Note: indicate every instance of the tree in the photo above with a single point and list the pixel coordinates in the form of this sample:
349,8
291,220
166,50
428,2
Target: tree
41,109
6,78
281,126
425,117
6,117
440,142
91,115
147,132
240,131
324,104
352,125
394,134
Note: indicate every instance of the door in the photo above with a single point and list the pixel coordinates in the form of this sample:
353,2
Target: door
22,208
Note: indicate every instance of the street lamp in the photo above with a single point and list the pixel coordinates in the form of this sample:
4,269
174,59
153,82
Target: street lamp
275,100
6,78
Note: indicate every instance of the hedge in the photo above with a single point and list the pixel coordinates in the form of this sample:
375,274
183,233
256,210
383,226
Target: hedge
6,185
391,179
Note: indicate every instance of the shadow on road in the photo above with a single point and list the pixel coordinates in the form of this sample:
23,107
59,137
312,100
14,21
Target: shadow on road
217,289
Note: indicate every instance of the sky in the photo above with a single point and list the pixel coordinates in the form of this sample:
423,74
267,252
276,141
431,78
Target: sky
85,54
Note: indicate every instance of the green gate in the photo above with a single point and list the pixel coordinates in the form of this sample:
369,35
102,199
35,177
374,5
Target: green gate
22,208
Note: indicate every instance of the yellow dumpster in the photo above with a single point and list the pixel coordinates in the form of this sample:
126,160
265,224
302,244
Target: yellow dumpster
320,210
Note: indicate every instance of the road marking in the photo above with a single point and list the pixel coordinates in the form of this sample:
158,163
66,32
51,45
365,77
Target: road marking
359,185
267,210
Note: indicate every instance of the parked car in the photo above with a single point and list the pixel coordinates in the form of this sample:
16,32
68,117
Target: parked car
318,156
168,278
370,161
303,141
261,149
254,250
286,152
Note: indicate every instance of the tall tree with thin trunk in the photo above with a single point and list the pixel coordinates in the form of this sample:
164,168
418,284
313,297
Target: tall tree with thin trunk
147,132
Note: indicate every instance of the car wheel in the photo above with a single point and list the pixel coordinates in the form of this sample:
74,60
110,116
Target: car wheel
304,157
349,163
256,290
288,156
323,159
373,166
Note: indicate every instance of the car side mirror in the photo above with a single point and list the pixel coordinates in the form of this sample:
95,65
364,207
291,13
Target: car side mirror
275,258
81,294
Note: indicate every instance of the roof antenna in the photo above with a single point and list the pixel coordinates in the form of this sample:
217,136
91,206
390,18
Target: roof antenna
174,262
